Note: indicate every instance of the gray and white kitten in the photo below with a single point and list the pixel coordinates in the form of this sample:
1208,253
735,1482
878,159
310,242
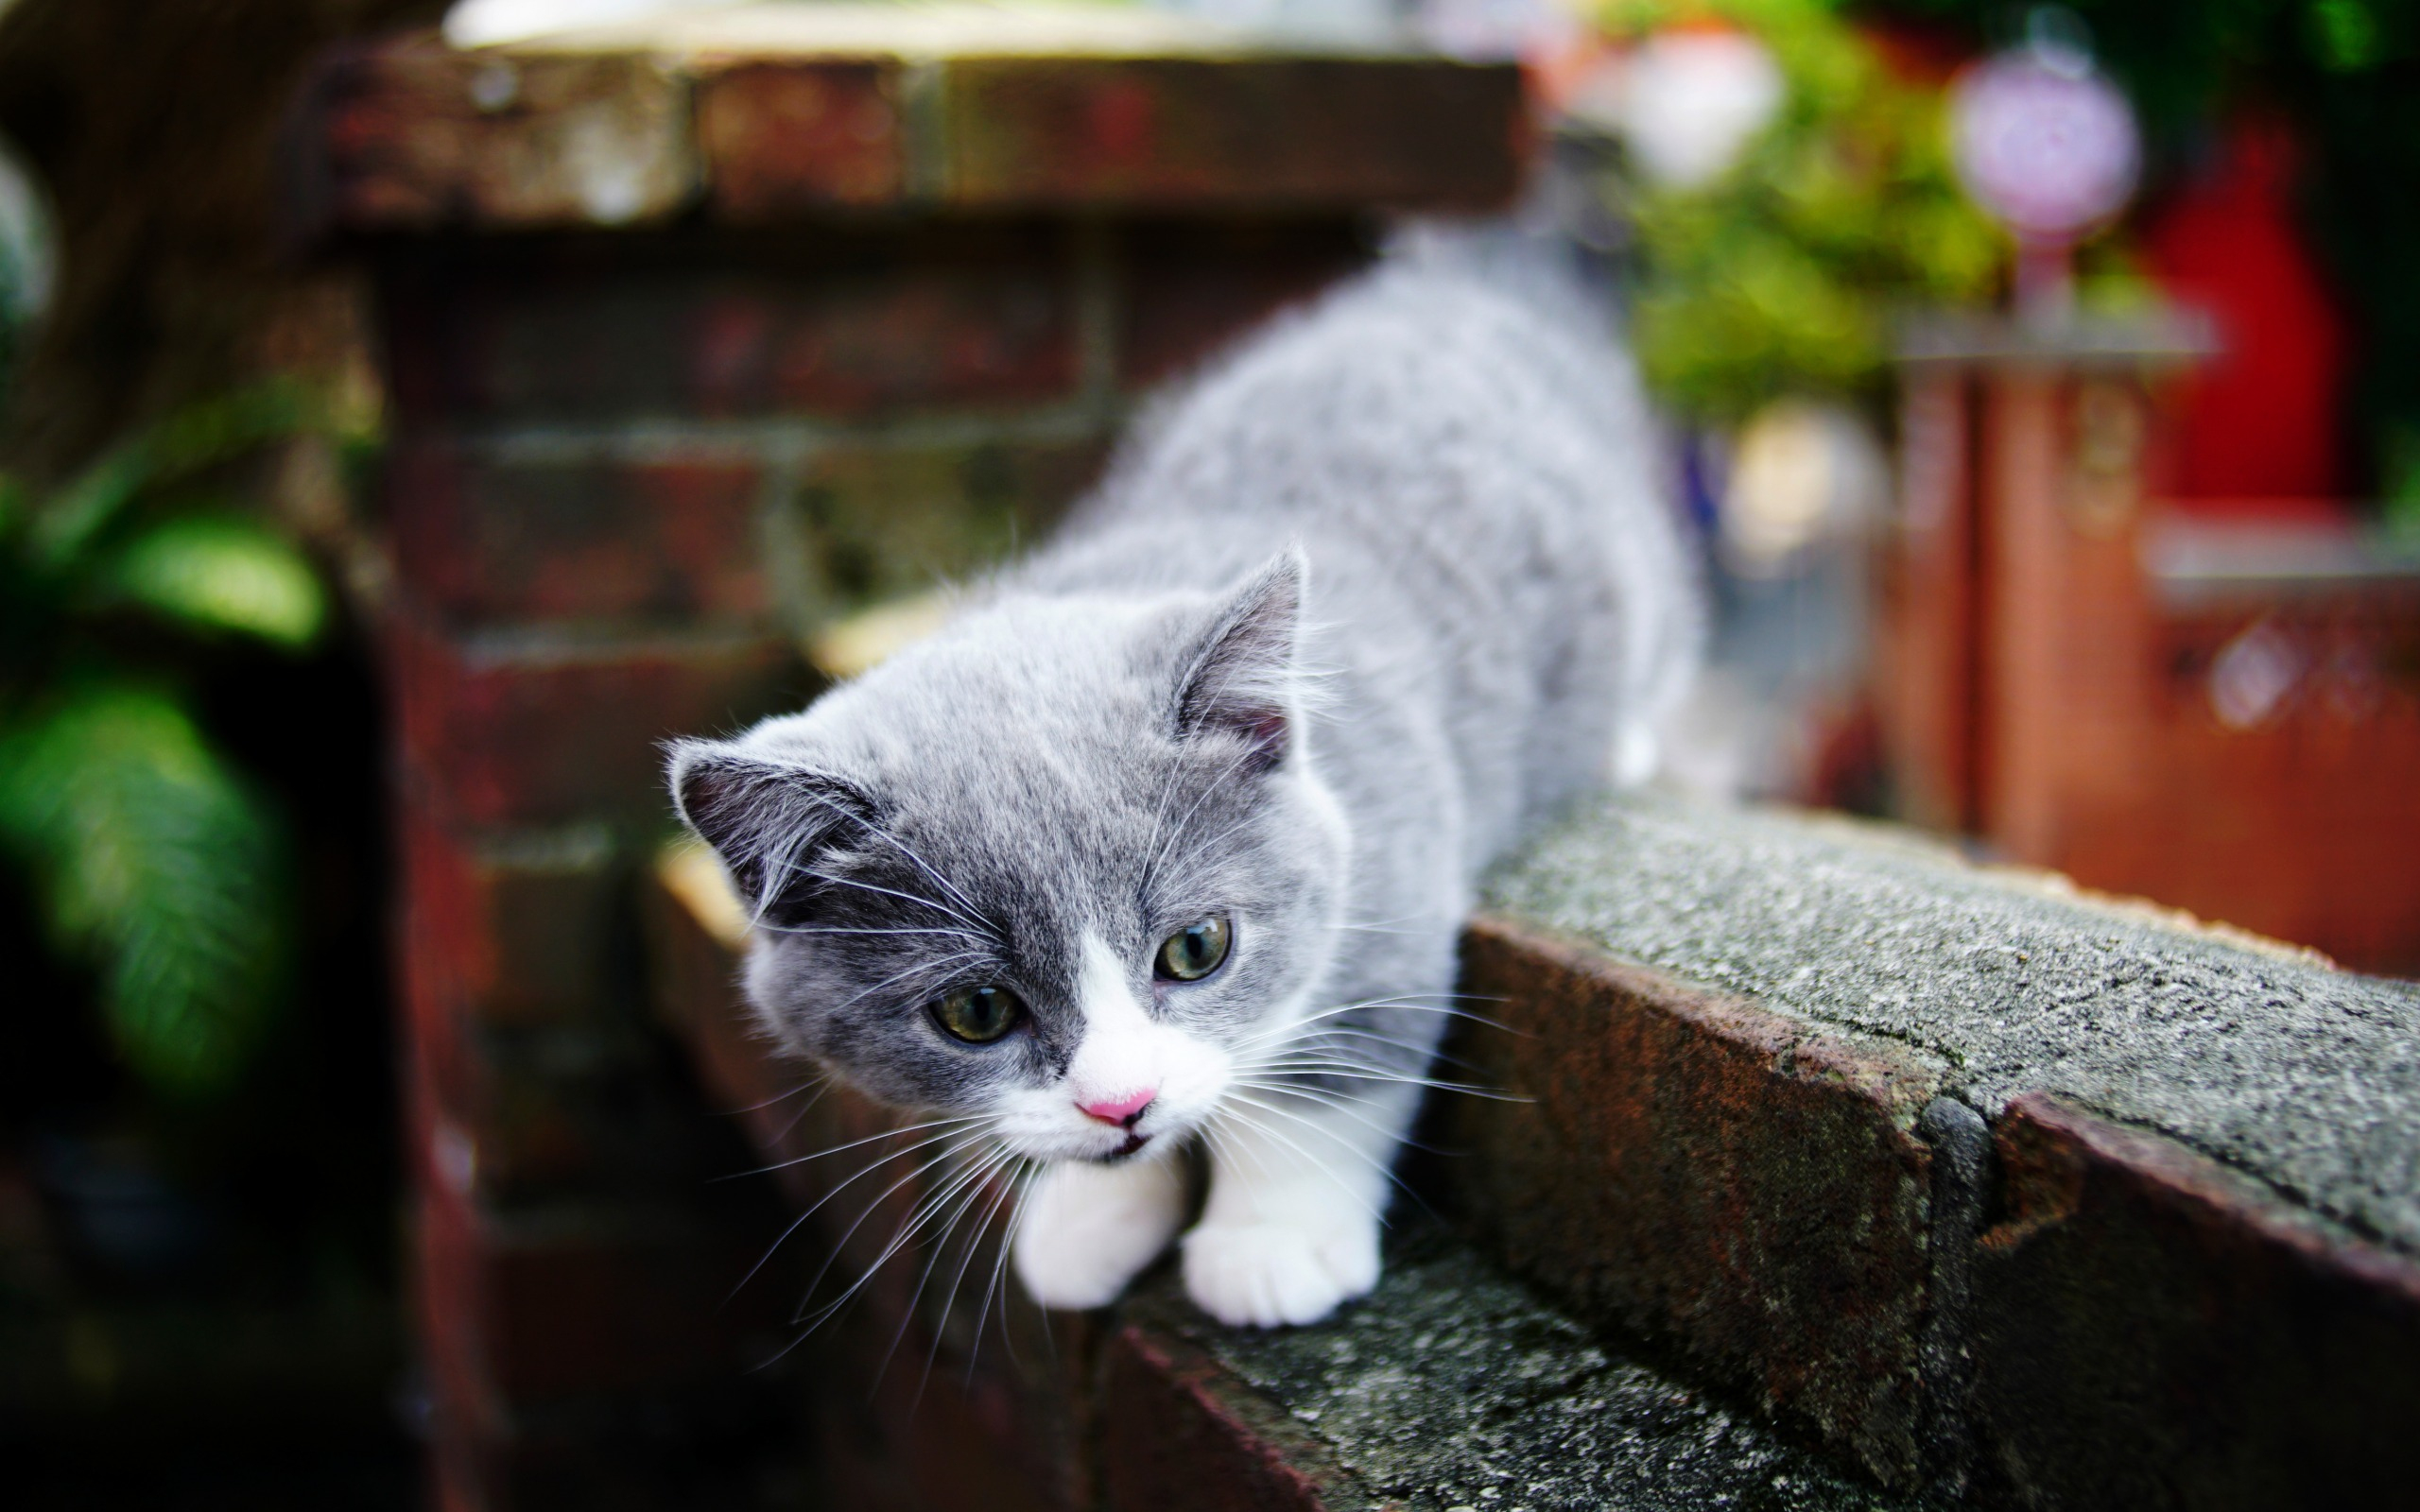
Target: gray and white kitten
1166,839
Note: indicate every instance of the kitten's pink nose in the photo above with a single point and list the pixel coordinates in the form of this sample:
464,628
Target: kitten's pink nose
1124,1111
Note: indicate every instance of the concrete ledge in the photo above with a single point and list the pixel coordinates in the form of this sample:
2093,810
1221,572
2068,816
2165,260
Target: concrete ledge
1836,1175
774,111
1763,1052
2265,1058
2153,1329
1452,1387
1748,1187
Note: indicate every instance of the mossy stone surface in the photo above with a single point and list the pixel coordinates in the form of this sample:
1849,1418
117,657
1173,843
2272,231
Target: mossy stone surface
2266,1059
1452,1387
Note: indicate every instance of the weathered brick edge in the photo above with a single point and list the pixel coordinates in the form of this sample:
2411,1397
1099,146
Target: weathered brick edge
409,134
2076,1313
1699,1171
2152,1328
1179,1432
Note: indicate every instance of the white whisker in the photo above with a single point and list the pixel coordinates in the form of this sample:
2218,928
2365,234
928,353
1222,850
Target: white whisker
1000,1191
977,926
903,974
1315,1162
839,1149
1407,1003
972,1190
1345,1103
1024,1181
1412,1047
1353,1071
869,1166
918,1218
903,929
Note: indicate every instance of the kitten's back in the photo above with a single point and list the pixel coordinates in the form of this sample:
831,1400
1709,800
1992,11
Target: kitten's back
1457,441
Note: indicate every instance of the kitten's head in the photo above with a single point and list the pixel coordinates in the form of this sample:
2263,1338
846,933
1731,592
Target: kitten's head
1064,865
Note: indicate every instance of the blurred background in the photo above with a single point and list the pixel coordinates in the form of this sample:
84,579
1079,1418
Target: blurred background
2037,382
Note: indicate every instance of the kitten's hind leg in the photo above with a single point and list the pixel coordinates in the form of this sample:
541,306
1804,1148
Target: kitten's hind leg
1088,1229
1298,1193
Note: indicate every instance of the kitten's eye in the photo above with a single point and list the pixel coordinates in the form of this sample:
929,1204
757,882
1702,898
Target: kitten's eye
978,1015
1194,952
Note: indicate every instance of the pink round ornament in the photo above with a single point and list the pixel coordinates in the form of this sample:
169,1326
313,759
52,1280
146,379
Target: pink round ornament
2044,143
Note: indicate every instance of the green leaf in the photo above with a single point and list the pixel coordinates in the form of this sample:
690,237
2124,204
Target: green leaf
223,573
1778,276
152,860
202,436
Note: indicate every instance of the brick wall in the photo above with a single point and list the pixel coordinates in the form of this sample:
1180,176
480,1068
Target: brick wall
628,475
698,339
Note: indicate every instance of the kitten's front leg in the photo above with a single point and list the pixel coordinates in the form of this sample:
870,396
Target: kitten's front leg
1298,1190
1088,1229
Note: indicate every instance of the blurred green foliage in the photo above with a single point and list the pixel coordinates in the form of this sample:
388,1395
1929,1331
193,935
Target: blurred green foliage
150,857
1781,274
2347,73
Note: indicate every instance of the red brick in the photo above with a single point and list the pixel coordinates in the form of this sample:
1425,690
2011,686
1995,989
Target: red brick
1185,291
1740,1188
1180,1434
780,138
536,1131
525,1031
460,1476
1193,133
849,324
446,1282
894,1434
881,522
520,1313
525,929
695,978
526,1074
521,1121
523,736
518,1137
2156,1330
487,540
408,135
431,972
648,1382
413,133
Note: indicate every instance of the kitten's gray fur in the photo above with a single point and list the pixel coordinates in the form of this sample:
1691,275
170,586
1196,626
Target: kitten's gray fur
1351,610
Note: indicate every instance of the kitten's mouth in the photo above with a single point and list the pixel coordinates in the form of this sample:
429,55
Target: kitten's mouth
1126,1151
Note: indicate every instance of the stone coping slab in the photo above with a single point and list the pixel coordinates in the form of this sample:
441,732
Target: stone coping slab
918,29
2265,1058
771,113
1453,1387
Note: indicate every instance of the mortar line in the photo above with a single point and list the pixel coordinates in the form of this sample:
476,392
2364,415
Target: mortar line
1077,418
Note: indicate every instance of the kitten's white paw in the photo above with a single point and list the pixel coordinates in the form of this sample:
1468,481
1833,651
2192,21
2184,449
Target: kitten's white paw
1265,1274
1088,1229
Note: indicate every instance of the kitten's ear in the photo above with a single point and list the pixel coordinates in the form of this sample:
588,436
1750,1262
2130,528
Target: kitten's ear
1240,678
766,820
